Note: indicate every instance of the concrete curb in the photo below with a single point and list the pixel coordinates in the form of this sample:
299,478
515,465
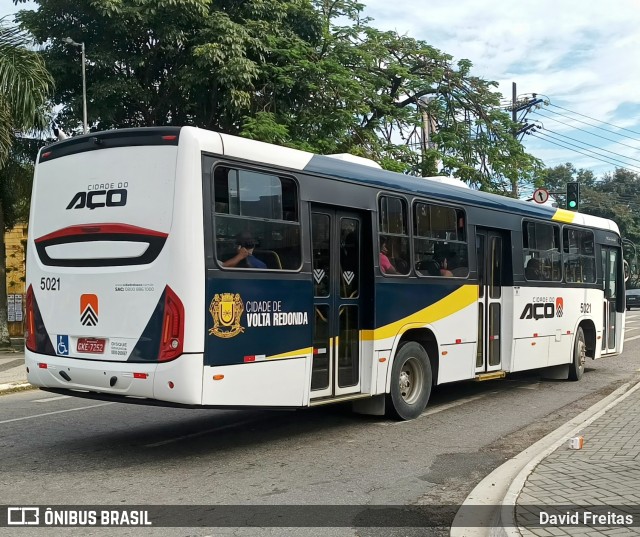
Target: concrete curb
568,430
502,486
13,387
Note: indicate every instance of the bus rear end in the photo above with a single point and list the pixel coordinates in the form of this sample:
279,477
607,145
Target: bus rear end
105,314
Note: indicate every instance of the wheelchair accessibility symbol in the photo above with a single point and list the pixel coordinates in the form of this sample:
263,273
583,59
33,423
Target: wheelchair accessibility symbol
62,347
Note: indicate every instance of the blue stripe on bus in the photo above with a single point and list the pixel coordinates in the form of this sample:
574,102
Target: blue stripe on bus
384,179
148,345
398,300
247,317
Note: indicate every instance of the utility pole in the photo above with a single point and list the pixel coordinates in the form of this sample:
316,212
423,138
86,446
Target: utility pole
514,102
514,117
428,128
85,126
521,127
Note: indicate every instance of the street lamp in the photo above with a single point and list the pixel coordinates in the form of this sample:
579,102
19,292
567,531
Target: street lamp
84,83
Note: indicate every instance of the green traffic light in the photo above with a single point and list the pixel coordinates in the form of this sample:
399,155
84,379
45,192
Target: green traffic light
572,204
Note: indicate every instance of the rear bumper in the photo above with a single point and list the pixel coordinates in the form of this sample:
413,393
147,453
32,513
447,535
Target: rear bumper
178,381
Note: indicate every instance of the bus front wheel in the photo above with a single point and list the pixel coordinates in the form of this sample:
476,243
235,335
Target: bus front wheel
411,380
576,368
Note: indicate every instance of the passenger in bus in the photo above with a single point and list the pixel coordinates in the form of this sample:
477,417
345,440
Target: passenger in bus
244,258
385,265
534,269
445,265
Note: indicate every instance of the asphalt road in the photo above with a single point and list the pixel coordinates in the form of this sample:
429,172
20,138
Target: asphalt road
57,450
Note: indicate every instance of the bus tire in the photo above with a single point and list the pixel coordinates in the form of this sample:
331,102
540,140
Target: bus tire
411,380
576,368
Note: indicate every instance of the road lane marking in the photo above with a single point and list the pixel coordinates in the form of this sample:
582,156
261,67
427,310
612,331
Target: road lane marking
199,433
631,338
440,408
47,399
54,412
10,365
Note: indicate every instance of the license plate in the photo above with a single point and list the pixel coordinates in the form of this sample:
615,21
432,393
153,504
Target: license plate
91,345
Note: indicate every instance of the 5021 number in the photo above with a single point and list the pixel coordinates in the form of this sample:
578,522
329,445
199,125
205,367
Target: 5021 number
50,284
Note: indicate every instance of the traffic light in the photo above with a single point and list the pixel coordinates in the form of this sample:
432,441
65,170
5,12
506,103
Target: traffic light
573,196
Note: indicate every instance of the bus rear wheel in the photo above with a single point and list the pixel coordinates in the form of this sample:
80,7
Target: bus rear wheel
576,368
411,380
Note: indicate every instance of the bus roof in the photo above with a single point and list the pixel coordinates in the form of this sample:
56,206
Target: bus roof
347,170
338,167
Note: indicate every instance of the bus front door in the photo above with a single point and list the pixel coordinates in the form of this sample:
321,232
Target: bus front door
613,287
336,253
490,256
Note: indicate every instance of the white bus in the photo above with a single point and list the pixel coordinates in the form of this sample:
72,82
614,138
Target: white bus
179,266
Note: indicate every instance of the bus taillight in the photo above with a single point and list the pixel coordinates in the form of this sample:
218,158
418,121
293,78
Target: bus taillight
30,324
172,327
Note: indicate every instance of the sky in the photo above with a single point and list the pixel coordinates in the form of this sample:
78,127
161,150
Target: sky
579,56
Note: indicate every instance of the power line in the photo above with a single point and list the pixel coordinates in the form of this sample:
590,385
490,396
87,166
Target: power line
594,119
591,152
585,130
591,145
591,125
576,151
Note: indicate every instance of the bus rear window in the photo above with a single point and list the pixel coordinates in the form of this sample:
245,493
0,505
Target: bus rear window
256,220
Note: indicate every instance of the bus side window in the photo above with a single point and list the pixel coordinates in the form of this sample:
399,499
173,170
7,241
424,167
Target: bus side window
439,241
394,233
265,207
541,251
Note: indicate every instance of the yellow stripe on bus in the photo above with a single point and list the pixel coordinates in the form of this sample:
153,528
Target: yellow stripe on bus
300,353
456,301
562,215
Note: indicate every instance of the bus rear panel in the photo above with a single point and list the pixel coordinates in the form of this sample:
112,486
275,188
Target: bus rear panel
105,312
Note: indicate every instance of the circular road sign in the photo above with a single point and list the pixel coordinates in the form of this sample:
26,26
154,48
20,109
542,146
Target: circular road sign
540,195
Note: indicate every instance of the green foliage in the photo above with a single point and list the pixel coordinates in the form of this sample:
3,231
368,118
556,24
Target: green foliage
25,86
16,178
615,196
310,74
153,62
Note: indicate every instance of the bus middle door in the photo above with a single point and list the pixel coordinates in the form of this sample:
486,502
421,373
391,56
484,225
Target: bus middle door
490,257
336,253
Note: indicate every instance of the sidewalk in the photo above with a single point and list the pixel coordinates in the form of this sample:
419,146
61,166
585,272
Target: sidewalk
603,477
552,490
13,375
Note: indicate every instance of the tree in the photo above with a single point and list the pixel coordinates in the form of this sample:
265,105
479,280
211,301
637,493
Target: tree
363,91
159,62
25,86
310,74
615,195
555,180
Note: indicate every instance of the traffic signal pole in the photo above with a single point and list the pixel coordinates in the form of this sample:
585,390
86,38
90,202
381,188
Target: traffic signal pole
573,196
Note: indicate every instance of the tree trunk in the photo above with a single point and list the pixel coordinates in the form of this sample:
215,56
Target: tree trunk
5,341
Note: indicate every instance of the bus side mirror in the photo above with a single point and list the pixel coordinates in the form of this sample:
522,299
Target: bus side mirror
626,269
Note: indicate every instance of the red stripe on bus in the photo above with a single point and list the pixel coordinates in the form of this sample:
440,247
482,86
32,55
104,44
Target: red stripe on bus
101,229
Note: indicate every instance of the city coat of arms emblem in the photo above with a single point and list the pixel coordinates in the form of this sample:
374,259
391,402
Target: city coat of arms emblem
226,310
